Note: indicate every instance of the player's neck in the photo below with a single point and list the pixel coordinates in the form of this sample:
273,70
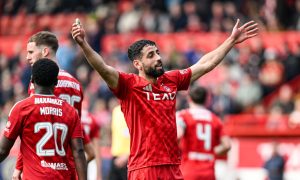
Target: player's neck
151,79
43,90
53,58
194,105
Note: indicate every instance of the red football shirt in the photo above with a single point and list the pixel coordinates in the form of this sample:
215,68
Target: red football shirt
149,111
202,132
46,125
89,125
69,89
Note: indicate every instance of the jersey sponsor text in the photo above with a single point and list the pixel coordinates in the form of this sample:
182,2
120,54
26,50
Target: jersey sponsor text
160,96
54,165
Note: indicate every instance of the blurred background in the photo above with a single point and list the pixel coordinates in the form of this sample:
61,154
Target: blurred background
255,90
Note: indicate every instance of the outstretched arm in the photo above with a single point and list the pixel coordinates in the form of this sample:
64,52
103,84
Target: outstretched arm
108,73
213,58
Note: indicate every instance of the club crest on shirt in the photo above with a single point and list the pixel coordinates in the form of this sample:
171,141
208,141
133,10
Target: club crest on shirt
166,88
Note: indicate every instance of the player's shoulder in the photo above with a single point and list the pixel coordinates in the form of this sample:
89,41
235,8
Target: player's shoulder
27,102
64,75
129,75
130,78
70,110
66,105
182,112
208,113
173,75
176,72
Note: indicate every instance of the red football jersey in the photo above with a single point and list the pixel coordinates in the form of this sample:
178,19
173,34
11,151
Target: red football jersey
202,132
70,90
89,125
149,111
46,125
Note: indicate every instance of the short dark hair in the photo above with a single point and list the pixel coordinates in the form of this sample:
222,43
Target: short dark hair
134,51
44,72
45,38
198,94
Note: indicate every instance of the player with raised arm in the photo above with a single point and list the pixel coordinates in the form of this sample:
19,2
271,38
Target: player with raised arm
48,128
148,99
44,44
201,137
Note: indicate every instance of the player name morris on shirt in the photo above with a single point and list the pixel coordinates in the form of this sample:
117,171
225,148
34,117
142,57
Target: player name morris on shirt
51,111
43,100
68,84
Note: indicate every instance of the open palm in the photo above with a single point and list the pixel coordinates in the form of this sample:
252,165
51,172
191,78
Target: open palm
246,31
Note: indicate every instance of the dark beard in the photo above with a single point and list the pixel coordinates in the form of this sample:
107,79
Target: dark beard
154,73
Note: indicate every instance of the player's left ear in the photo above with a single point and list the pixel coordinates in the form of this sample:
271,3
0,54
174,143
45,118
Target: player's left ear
45,52
137,64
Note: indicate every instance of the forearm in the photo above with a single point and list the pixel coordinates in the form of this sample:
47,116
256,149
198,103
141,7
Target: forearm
5,146
221,149
210,60
109,74
224,147
79,158
90,153
81,164
3,154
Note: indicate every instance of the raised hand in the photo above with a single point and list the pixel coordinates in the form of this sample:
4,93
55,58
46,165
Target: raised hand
246,31
78,32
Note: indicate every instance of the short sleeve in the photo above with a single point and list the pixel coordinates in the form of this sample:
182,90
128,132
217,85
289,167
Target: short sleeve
77,132
184,79
94,129
124,83
14,124
86,138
